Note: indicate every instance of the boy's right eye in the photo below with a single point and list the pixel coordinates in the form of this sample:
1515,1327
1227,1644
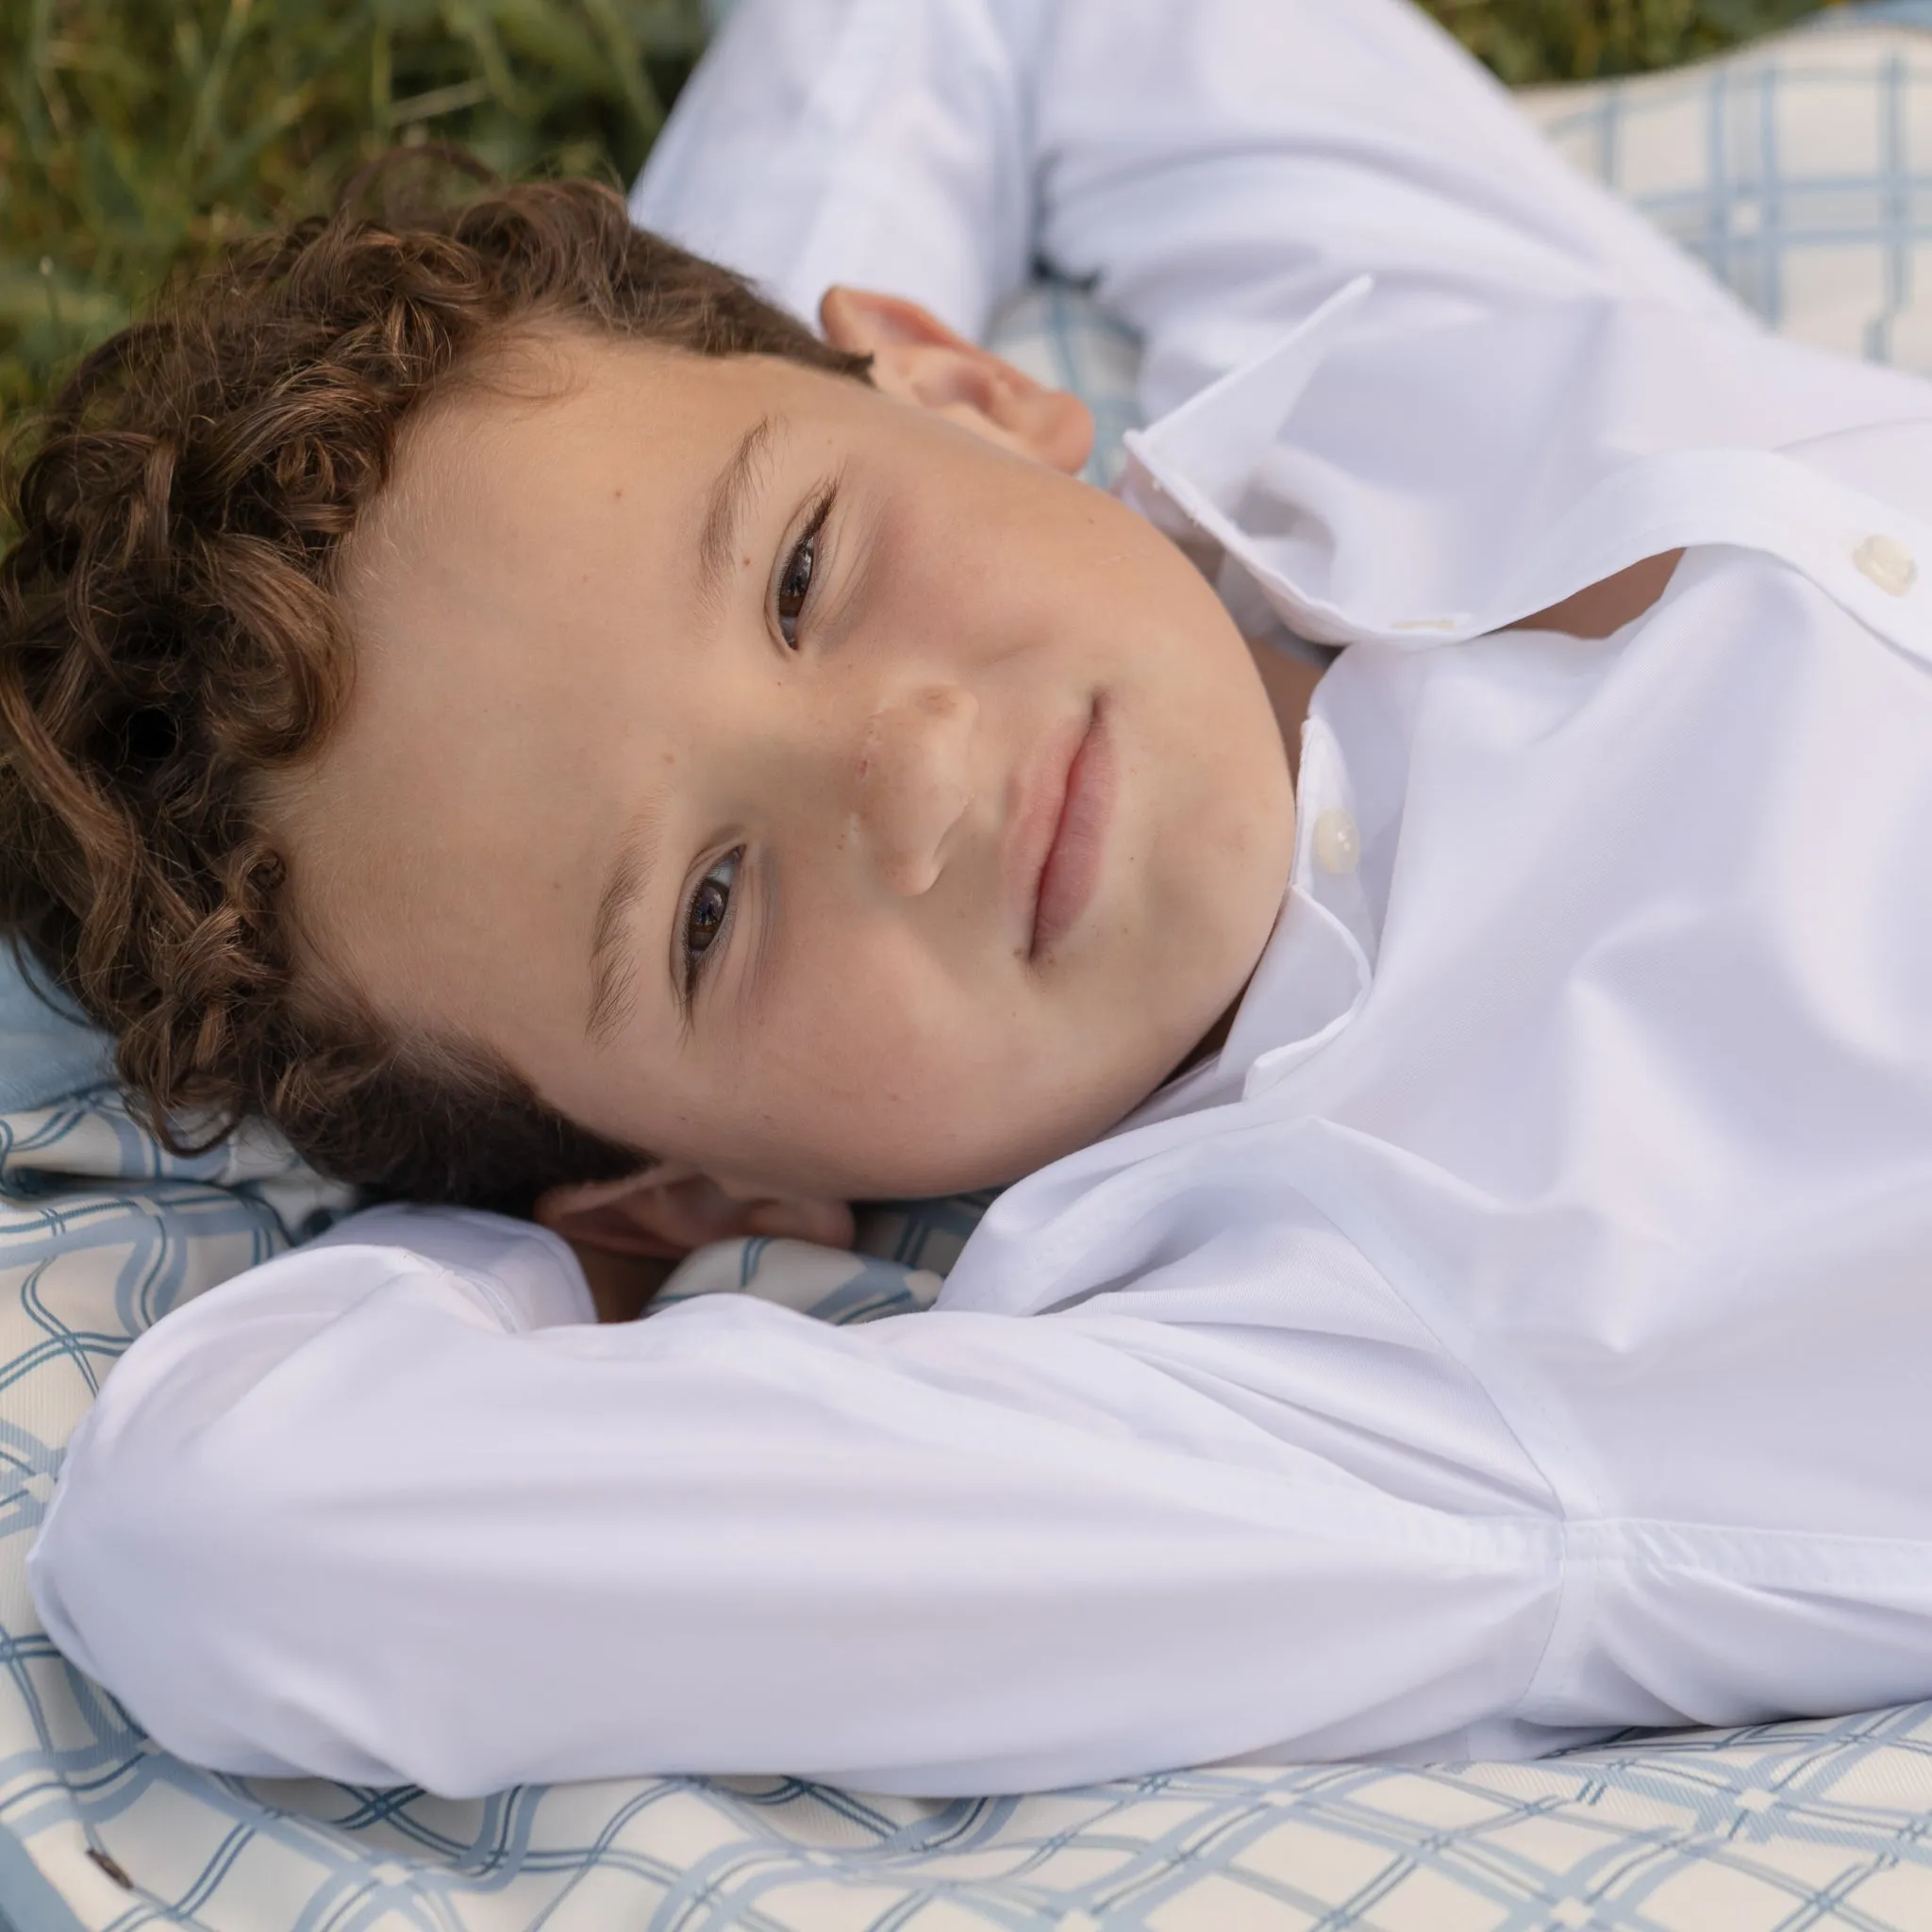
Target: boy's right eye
793,590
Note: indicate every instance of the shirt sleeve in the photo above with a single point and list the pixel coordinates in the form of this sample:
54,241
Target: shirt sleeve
391,1508
1215,168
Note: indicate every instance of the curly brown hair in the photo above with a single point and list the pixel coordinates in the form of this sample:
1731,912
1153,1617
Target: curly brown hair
169,636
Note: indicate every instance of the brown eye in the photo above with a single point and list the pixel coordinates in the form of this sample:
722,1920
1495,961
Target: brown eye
704,918
706,915
795,586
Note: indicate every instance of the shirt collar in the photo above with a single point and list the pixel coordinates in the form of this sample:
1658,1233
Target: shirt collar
1188,472
1315,971
1414,492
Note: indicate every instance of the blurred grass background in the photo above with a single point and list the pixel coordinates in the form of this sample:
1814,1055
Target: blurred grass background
135,134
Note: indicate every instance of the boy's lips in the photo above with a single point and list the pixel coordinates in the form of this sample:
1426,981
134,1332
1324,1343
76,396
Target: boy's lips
1059,827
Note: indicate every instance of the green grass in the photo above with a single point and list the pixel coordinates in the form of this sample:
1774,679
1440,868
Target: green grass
135,134
138,134
1531,41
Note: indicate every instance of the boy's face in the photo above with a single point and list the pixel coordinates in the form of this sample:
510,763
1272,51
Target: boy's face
802,780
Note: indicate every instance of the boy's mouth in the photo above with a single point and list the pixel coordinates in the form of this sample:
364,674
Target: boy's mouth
1066,813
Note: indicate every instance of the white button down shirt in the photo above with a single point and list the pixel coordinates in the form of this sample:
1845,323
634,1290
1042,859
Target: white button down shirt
1520,1331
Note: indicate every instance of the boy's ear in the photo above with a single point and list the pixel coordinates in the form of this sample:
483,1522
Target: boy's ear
917,358
669,1210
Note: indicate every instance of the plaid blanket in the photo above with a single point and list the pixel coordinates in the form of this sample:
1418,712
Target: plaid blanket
1797,171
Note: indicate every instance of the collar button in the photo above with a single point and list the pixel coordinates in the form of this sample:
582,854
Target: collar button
1888,564
1338,843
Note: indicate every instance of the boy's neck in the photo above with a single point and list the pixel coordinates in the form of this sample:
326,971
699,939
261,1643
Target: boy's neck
1290,683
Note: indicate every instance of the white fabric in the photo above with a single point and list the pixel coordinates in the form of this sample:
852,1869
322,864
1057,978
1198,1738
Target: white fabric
1519,1331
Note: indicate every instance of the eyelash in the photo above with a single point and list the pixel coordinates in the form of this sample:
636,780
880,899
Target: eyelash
807,547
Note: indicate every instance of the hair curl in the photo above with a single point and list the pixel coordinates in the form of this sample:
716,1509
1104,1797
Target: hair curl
168,635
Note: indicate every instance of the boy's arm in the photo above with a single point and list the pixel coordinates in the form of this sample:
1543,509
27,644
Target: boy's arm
400,1511
1218,168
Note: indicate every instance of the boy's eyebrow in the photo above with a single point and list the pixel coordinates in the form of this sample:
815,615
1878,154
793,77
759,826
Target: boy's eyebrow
735,484
613,977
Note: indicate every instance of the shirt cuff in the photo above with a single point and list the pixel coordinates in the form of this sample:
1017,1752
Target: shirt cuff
527,1271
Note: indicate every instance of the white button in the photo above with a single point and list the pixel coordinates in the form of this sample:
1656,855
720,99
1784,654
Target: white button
1888,564
1338,844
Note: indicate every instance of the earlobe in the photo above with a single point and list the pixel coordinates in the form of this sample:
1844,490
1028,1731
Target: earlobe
620,1217
918,359
669,1210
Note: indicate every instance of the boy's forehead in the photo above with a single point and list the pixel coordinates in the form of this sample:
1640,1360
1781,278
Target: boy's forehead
562,459
561,410
555,518
553,423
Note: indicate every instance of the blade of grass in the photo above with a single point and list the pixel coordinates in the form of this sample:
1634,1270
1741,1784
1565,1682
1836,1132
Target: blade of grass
628,59
478,28
213,79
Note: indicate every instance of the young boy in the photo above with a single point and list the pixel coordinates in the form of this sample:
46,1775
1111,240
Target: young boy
557,736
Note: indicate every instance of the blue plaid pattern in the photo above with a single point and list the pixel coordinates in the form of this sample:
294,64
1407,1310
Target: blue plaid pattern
1799,171
1815,1826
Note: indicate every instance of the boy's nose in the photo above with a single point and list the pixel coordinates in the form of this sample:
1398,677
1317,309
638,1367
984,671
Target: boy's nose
914,782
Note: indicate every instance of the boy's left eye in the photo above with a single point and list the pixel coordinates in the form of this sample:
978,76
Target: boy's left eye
795,586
